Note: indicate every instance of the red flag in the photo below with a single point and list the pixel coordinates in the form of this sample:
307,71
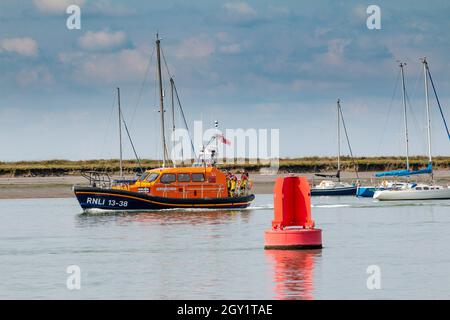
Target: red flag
222,139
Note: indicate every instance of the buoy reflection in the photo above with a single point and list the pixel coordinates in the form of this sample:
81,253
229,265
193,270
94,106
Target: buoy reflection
293,273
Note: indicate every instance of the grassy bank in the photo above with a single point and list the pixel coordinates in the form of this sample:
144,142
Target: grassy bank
306,164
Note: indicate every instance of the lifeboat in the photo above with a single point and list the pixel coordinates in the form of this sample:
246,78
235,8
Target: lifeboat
167,188
201,185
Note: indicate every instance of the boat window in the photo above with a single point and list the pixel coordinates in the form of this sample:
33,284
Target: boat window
419,188
425,188
168,178
184,177
152,177
198,177
142,176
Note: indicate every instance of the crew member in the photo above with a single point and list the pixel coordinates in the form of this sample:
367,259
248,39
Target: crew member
244,180
233,182
228,177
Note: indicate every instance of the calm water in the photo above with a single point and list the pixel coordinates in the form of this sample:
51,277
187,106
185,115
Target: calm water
219,254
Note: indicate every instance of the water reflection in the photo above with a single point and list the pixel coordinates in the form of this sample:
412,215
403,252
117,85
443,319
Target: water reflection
165,217
293,272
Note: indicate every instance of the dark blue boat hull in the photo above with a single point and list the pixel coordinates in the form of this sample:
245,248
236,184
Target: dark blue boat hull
348,191
121,200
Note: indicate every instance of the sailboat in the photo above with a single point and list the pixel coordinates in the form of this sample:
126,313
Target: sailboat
201,185
369,191
332,187
418,191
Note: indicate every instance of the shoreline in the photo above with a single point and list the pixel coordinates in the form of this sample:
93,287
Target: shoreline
50,168
61,186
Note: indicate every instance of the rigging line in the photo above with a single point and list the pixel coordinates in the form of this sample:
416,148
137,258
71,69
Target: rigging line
348,142
157,141
107,131
414,93
419,75
144,82
389,112
155,86
437,100
184,119
413,116
131,142
156,122
165,63
171,78
165,150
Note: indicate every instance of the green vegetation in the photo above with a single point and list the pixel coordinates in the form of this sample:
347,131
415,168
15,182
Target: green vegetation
306,164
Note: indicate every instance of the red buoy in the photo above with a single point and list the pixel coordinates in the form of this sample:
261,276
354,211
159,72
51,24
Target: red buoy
292,226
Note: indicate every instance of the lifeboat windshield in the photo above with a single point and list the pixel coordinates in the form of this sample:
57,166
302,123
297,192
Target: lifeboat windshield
151,177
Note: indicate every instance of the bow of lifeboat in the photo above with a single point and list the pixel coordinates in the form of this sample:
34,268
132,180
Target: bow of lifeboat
166,188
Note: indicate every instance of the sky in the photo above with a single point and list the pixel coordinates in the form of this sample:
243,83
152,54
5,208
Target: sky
248,64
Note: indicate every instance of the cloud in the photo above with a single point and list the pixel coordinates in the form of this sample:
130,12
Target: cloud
22,46
101,40
241,8
278,10
39,74
223,36
359,12
55,6
243,15
231,48
345,61
307,85
226,43
124,65
335,53
106,8
195,47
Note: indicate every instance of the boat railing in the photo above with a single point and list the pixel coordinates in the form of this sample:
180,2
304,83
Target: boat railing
238,192
98,179
202,191
189,190
242,192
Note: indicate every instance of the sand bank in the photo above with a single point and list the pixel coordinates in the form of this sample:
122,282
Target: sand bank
61,186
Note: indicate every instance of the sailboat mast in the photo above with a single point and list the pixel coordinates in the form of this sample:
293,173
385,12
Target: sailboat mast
161,100
425,73
173,119
338,139
405,114
120,132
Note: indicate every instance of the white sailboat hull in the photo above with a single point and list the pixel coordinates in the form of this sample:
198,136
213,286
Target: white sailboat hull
412,194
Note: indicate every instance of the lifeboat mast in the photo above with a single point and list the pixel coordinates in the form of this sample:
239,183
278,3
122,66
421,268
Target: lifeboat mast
161,100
